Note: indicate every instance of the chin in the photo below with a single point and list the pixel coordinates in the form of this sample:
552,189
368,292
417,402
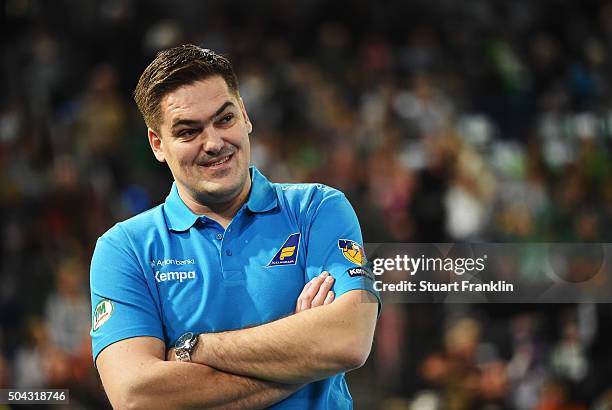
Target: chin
219,193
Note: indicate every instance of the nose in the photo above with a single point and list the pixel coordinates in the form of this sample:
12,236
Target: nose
212,142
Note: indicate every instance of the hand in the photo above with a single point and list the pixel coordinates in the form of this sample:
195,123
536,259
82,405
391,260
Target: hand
317,292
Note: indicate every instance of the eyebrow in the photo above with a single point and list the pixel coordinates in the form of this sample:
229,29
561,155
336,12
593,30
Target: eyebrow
180,122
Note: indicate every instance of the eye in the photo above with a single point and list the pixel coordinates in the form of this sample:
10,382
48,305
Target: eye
188,133
227,118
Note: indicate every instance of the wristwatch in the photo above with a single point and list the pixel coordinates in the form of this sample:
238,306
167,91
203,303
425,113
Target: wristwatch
184,346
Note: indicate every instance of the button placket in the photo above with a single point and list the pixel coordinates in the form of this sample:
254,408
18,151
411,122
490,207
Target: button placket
228,231
233,272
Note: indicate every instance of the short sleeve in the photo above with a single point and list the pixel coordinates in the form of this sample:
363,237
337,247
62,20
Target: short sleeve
122,303
335,244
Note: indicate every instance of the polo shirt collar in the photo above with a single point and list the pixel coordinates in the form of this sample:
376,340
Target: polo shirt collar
262,198
263,195
178,216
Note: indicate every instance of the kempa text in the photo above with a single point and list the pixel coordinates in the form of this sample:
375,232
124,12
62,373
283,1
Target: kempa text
170,276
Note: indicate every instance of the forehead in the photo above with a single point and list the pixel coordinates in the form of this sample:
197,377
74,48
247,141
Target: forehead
196,101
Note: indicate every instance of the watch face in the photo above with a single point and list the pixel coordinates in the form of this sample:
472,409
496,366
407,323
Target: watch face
183,341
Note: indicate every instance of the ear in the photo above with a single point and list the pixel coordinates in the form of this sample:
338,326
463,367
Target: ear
246,116
156,145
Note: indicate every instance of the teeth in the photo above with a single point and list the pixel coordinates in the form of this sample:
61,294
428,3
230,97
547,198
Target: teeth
219,162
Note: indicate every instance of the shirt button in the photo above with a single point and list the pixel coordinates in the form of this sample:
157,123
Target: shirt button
228,252
219,236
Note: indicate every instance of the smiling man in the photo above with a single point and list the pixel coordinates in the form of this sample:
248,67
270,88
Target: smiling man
235,292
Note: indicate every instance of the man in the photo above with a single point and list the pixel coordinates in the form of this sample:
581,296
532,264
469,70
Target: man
222,296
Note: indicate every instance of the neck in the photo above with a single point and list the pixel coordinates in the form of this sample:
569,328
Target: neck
222,212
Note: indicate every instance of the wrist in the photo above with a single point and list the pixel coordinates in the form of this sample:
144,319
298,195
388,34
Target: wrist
205,351
185,346
198,352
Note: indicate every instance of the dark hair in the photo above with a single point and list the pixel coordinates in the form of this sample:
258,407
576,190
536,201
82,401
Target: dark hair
176,67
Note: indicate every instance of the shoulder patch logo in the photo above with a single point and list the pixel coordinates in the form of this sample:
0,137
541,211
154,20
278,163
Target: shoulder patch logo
287,255
351,251
359,271
102,312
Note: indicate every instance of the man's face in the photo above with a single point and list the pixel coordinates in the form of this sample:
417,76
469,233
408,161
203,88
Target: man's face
204,138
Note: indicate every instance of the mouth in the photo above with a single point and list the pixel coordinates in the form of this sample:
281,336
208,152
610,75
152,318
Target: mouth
219,163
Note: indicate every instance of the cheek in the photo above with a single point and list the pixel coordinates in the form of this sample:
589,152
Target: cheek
185,154
243,143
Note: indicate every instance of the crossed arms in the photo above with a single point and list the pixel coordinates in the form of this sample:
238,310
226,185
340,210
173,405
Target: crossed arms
248,368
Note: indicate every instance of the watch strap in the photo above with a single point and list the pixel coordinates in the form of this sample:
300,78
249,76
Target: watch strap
183,355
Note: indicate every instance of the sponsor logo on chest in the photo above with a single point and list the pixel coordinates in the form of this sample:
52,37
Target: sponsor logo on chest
175,275
170,261
288,253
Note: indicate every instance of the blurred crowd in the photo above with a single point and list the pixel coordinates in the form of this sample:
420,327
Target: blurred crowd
442,121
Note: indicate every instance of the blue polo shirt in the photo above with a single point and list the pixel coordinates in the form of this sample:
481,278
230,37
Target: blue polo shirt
168,271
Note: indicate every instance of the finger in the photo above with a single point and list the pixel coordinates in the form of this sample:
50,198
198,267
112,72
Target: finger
311,292
298,303
329,298
304,299
323,287
322,293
